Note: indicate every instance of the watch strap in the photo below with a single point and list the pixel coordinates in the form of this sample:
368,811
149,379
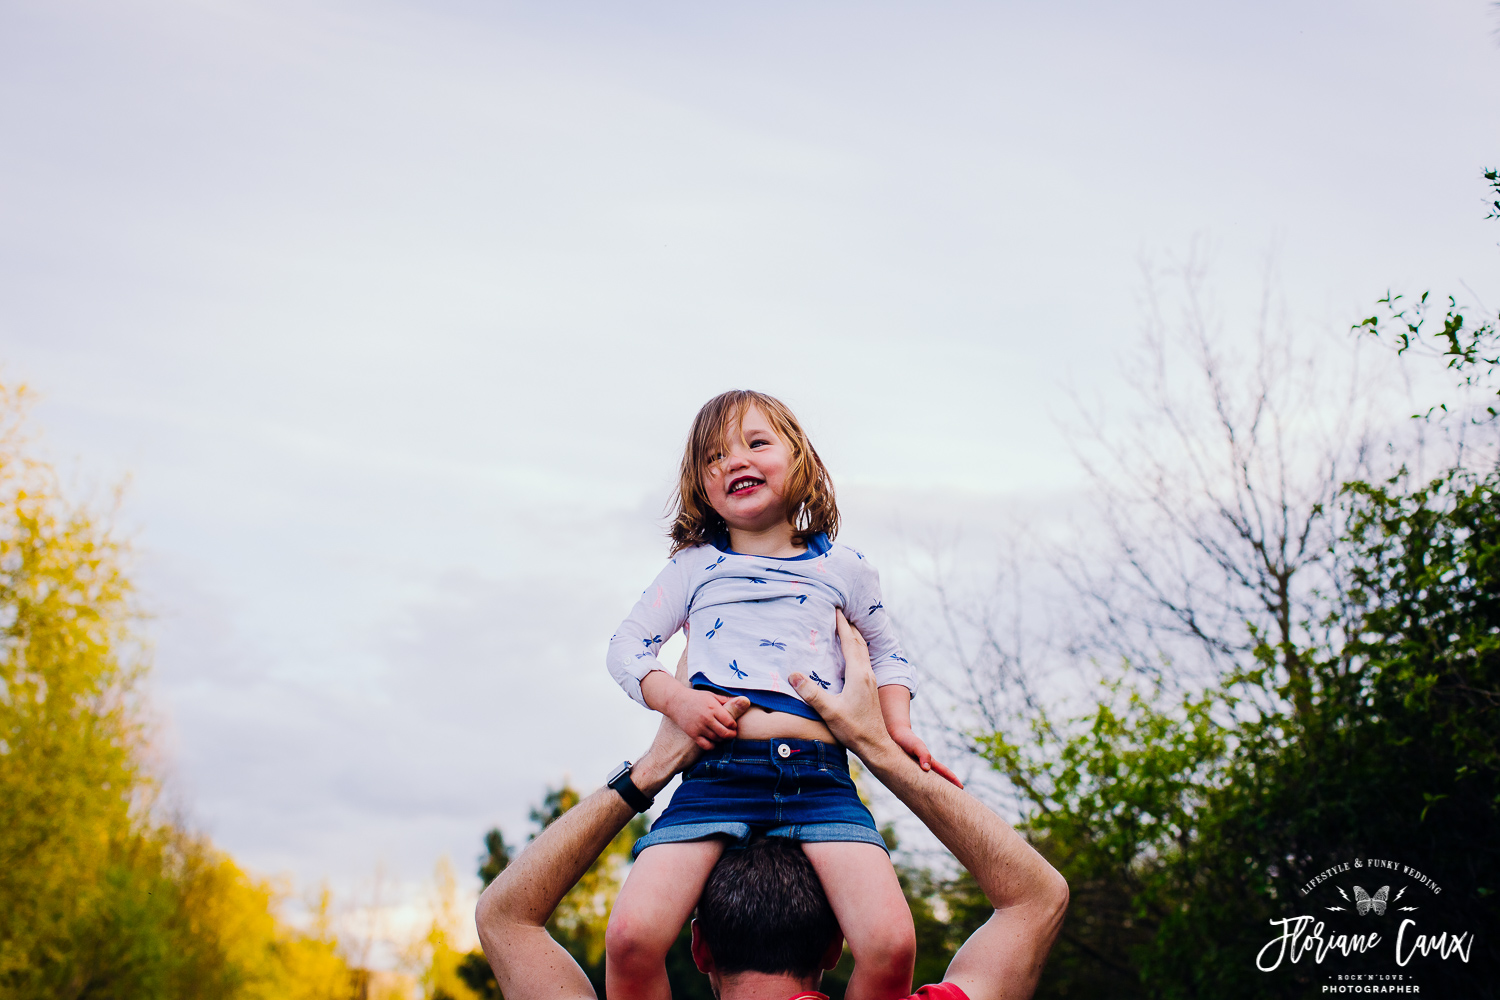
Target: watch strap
633,796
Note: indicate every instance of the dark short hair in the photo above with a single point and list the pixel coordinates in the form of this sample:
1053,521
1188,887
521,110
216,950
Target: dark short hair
764,910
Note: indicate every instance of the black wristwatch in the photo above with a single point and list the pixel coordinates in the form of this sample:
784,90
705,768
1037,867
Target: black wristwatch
636,799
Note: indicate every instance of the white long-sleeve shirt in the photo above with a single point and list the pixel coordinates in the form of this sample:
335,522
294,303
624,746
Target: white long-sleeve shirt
752,620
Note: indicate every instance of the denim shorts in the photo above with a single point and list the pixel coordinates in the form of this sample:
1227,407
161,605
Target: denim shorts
741,789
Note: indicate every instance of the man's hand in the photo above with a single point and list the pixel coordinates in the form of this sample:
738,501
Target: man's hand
673,750
909,741
699,714
854,714
1003,959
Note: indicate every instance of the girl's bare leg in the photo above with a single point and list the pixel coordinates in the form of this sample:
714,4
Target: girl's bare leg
654,903
866,897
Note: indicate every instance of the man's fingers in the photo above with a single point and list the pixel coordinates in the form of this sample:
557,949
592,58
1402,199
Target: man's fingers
703,742
810,692
856,653
847,632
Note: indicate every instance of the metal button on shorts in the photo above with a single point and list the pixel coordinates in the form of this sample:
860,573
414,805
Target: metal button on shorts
782,750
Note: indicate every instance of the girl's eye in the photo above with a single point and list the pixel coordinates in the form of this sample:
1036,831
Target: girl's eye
758,442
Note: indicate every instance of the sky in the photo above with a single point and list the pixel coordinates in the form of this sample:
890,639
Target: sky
392,318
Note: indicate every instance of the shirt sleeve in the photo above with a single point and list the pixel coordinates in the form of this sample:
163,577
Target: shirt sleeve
868,614
656,617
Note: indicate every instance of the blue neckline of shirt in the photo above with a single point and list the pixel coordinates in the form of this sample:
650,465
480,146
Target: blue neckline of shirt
817,545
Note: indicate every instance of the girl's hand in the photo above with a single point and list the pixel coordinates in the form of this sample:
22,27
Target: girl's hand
702,715
908,740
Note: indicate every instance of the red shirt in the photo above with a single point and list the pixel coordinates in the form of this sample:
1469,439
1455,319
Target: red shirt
934,991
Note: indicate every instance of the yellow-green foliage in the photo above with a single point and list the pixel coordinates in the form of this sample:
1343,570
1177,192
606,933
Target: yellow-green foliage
434,955
96,899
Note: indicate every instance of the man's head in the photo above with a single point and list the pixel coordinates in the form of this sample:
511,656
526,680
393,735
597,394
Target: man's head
764,910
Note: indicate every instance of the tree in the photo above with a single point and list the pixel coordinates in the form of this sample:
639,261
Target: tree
1309,673
97,897
496,857
579,921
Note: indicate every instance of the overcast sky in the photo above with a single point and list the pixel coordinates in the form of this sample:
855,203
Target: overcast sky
395,315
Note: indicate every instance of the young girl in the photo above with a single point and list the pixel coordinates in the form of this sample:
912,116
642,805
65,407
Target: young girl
758,582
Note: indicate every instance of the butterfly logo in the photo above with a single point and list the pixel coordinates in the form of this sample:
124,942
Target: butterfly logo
876,606
735,666
801,598
756,580
900,658
774,643
1365,903
714,564
718,624
824,685
648,643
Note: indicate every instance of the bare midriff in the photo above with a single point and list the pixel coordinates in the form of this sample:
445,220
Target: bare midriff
758,724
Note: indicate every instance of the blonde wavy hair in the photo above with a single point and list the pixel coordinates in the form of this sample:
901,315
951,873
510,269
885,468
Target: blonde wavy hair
809,489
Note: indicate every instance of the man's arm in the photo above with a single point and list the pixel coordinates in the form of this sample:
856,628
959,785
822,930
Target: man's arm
1003,959
512,912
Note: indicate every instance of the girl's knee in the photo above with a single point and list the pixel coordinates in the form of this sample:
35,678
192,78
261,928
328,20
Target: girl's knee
891,944
631,942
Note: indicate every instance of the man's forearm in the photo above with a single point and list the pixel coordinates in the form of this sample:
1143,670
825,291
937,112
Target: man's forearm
1007,868
1003,959
531,887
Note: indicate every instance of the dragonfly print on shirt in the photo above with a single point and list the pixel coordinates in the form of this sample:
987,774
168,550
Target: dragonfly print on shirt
756,612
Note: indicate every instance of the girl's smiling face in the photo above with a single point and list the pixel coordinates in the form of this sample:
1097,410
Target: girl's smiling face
746,484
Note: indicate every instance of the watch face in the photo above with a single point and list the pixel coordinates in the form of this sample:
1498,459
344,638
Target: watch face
615,774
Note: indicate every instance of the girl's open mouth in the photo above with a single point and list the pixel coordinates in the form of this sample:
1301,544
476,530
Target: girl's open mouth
744,484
